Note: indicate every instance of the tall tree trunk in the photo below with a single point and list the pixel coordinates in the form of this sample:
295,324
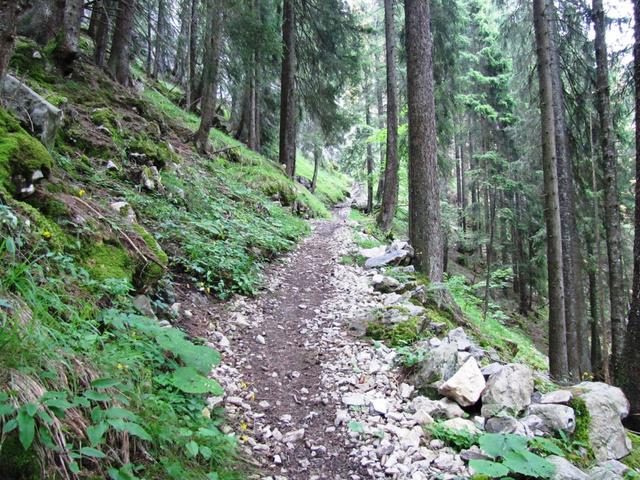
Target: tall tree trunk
210,74
160,34
490,252
288,90
367,115
558,363
574,308
317,159
617,295
599,340
193,57
381,167
9,10
390,192
67,50
631,357
425,230
253,104
149,38
101,33
119,59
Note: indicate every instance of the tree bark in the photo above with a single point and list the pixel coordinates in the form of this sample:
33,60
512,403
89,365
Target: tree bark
160,34
8,22
317,159
575,318
617,295
631,357
193,56
381,167
558,363
210,75
390,192
367,115
43,21
287,151
67,50
425,230
101,33
119,59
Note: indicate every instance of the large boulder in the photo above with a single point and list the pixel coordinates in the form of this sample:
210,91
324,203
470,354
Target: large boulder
607,407
440,364
466,385
509,390
384,284
33,110
443,408
395,257
555,417
398,253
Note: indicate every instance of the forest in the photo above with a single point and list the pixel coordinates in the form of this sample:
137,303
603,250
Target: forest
305,239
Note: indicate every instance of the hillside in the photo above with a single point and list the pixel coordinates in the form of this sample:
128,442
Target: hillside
127,221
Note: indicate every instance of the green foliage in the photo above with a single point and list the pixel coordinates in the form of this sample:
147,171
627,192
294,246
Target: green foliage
457,439
633,459
510,454
117,371
511,343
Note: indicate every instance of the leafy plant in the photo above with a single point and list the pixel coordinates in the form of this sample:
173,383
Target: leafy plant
457,439
511,454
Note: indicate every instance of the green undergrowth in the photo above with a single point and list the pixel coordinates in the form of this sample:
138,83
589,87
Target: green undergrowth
79,366
87,385
509,341
633,459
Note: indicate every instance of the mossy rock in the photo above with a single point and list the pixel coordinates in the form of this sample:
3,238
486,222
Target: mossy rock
20,153
107,118
105,261
149,273
280,190
156,153
25,64
398,335
16,462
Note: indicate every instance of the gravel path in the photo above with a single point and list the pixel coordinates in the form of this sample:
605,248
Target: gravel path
309,399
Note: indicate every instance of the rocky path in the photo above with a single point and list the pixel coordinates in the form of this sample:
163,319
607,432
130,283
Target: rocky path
313,401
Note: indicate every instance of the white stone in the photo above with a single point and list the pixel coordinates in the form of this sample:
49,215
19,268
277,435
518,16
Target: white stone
466,385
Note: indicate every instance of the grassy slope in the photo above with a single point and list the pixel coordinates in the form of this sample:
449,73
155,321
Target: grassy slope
126,397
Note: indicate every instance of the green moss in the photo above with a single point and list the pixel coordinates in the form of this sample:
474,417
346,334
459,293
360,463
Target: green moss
580,435
398,335
633,459
151,272
20,153
44,227
16,462
25,64
158,153
106,118
104,261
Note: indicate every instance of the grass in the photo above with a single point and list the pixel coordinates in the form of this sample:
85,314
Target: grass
119,386
513,344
